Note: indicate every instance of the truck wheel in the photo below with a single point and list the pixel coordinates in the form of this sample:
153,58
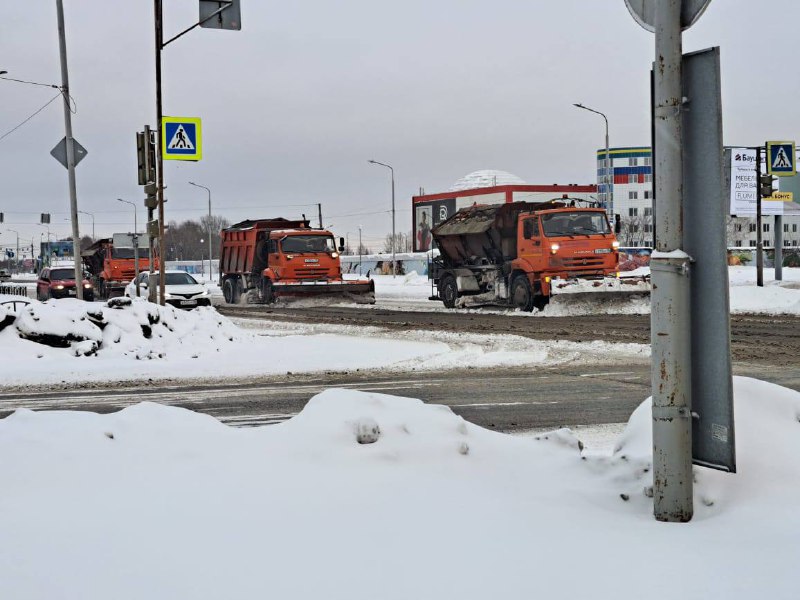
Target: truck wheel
227,291
267,291
448,291
521,293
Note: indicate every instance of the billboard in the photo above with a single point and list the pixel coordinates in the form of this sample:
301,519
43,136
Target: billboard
427,215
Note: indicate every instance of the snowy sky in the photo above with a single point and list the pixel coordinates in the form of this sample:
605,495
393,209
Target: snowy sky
295,103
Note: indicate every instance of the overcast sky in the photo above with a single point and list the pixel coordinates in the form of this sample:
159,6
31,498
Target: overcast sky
295,103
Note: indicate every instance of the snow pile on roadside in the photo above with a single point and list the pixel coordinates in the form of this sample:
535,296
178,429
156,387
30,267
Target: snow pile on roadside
370,496
120,327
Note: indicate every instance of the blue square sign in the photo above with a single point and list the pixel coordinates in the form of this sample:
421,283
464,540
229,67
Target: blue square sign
181,138
781,159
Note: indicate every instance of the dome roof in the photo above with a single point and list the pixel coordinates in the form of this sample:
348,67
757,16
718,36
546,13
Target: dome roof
485,178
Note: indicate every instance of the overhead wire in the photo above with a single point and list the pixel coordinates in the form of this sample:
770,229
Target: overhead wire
10,131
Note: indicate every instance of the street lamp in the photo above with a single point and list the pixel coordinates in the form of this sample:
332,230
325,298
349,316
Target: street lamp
209,224
609,181
359,249
375,162
83,212
135,243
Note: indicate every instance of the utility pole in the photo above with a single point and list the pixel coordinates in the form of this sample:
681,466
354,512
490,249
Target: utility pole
16,256
73,196
670,327
83,212
319,208
759,235
160,159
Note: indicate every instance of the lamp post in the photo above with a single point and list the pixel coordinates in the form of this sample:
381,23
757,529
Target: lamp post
609,180
83,212
359,249
135,243
16,256
209,224
375,162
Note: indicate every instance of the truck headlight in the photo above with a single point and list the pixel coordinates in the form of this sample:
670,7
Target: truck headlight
554,248
615,244
87,286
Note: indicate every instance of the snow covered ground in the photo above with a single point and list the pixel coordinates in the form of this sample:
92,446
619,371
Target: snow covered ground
159,502
72,341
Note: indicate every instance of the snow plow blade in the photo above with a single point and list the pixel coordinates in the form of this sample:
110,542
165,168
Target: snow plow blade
611,285
360,292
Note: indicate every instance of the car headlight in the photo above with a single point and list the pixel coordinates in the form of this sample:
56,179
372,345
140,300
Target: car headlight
58,287
87,286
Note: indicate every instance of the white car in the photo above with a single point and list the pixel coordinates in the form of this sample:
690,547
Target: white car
181,290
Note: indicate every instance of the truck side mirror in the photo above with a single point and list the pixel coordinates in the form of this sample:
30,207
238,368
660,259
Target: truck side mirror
527,229
341,244
617,224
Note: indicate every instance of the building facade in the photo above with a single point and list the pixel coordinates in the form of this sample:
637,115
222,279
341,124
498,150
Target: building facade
631,184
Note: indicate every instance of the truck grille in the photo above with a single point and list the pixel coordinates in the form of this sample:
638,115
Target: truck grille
311,273
581,262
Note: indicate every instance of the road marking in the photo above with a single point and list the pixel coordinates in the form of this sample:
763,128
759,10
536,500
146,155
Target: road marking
609,373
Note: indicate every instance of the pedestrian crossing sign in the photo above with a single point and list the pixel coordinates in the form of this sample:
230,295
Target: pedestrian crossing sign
181,138
781,159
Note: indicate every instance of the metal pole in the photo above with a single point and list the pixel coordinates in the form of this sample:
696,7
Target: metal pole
160,158
135,243
359,249
759,240
319,208
608,176
394,235
670,323
375,162
210,274
778,248
83,212
73,195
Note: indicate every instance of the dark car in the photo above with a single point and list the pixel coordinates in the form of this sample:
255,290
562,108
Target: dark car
59,282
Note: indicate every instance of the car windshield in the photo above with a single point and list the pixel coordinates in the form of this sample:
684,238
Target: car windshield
178,279
308,243
128,252
574,223
62,274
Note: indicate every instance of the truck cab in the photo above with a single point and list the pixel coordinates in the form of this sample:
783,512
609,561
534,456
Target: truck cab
302,255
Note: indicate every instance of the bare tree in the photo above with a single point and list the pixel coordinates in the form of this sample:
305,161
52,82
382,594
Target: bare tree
402,242
636,230
736,230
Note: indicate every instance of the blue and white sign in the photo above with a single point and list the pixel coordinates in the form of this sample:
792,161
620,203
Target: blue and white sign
181,138
781,159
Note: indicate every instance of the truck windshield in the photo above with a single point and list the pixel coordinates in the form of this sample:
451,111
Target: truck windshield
574,223
307,243
128,252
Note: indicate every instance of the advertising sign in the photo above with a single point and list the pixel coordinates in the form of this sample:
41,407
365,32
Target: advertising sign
744,181
427,215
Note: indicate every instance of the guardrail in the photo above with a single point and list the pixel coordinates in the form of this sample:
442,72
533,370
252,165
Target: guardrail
13,290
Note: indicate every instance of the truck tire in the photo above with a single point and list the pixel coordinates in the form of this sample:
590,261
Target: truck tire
521,293
227,291
448,291
267,291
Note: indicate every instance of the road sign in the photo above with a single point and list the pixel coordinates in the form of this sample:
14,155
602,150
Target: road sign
181,138
780,159
644,12
220,14
60,152
781,196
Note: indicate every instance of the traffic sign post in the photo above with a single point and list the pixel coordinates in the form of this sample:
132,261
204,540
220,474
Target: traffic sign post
181,138
781,159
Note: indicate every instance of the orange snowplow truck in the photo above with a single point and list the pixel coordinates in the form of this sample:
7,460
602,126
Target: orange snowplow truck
266,259
112,266
521,253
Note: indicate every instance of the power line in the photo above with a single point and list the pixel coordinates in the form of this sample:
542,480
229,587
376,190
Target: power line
9,132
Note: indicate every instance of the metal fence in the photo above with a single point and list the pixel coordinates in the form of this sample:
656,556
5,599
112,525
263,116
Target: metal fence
13,290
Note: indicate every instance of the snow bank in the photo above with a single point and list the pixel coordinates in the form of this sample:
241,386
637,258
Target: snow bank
159,502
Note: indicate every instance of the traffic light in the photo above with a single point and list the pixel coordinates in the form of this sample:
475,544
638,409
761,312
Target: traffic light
150,198
765,185
2,217
145,156
45,218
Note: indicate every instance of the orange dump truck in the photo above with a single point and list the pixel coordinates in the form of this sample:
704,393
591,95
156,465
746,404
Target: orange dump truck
112,266
266,259
521,253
